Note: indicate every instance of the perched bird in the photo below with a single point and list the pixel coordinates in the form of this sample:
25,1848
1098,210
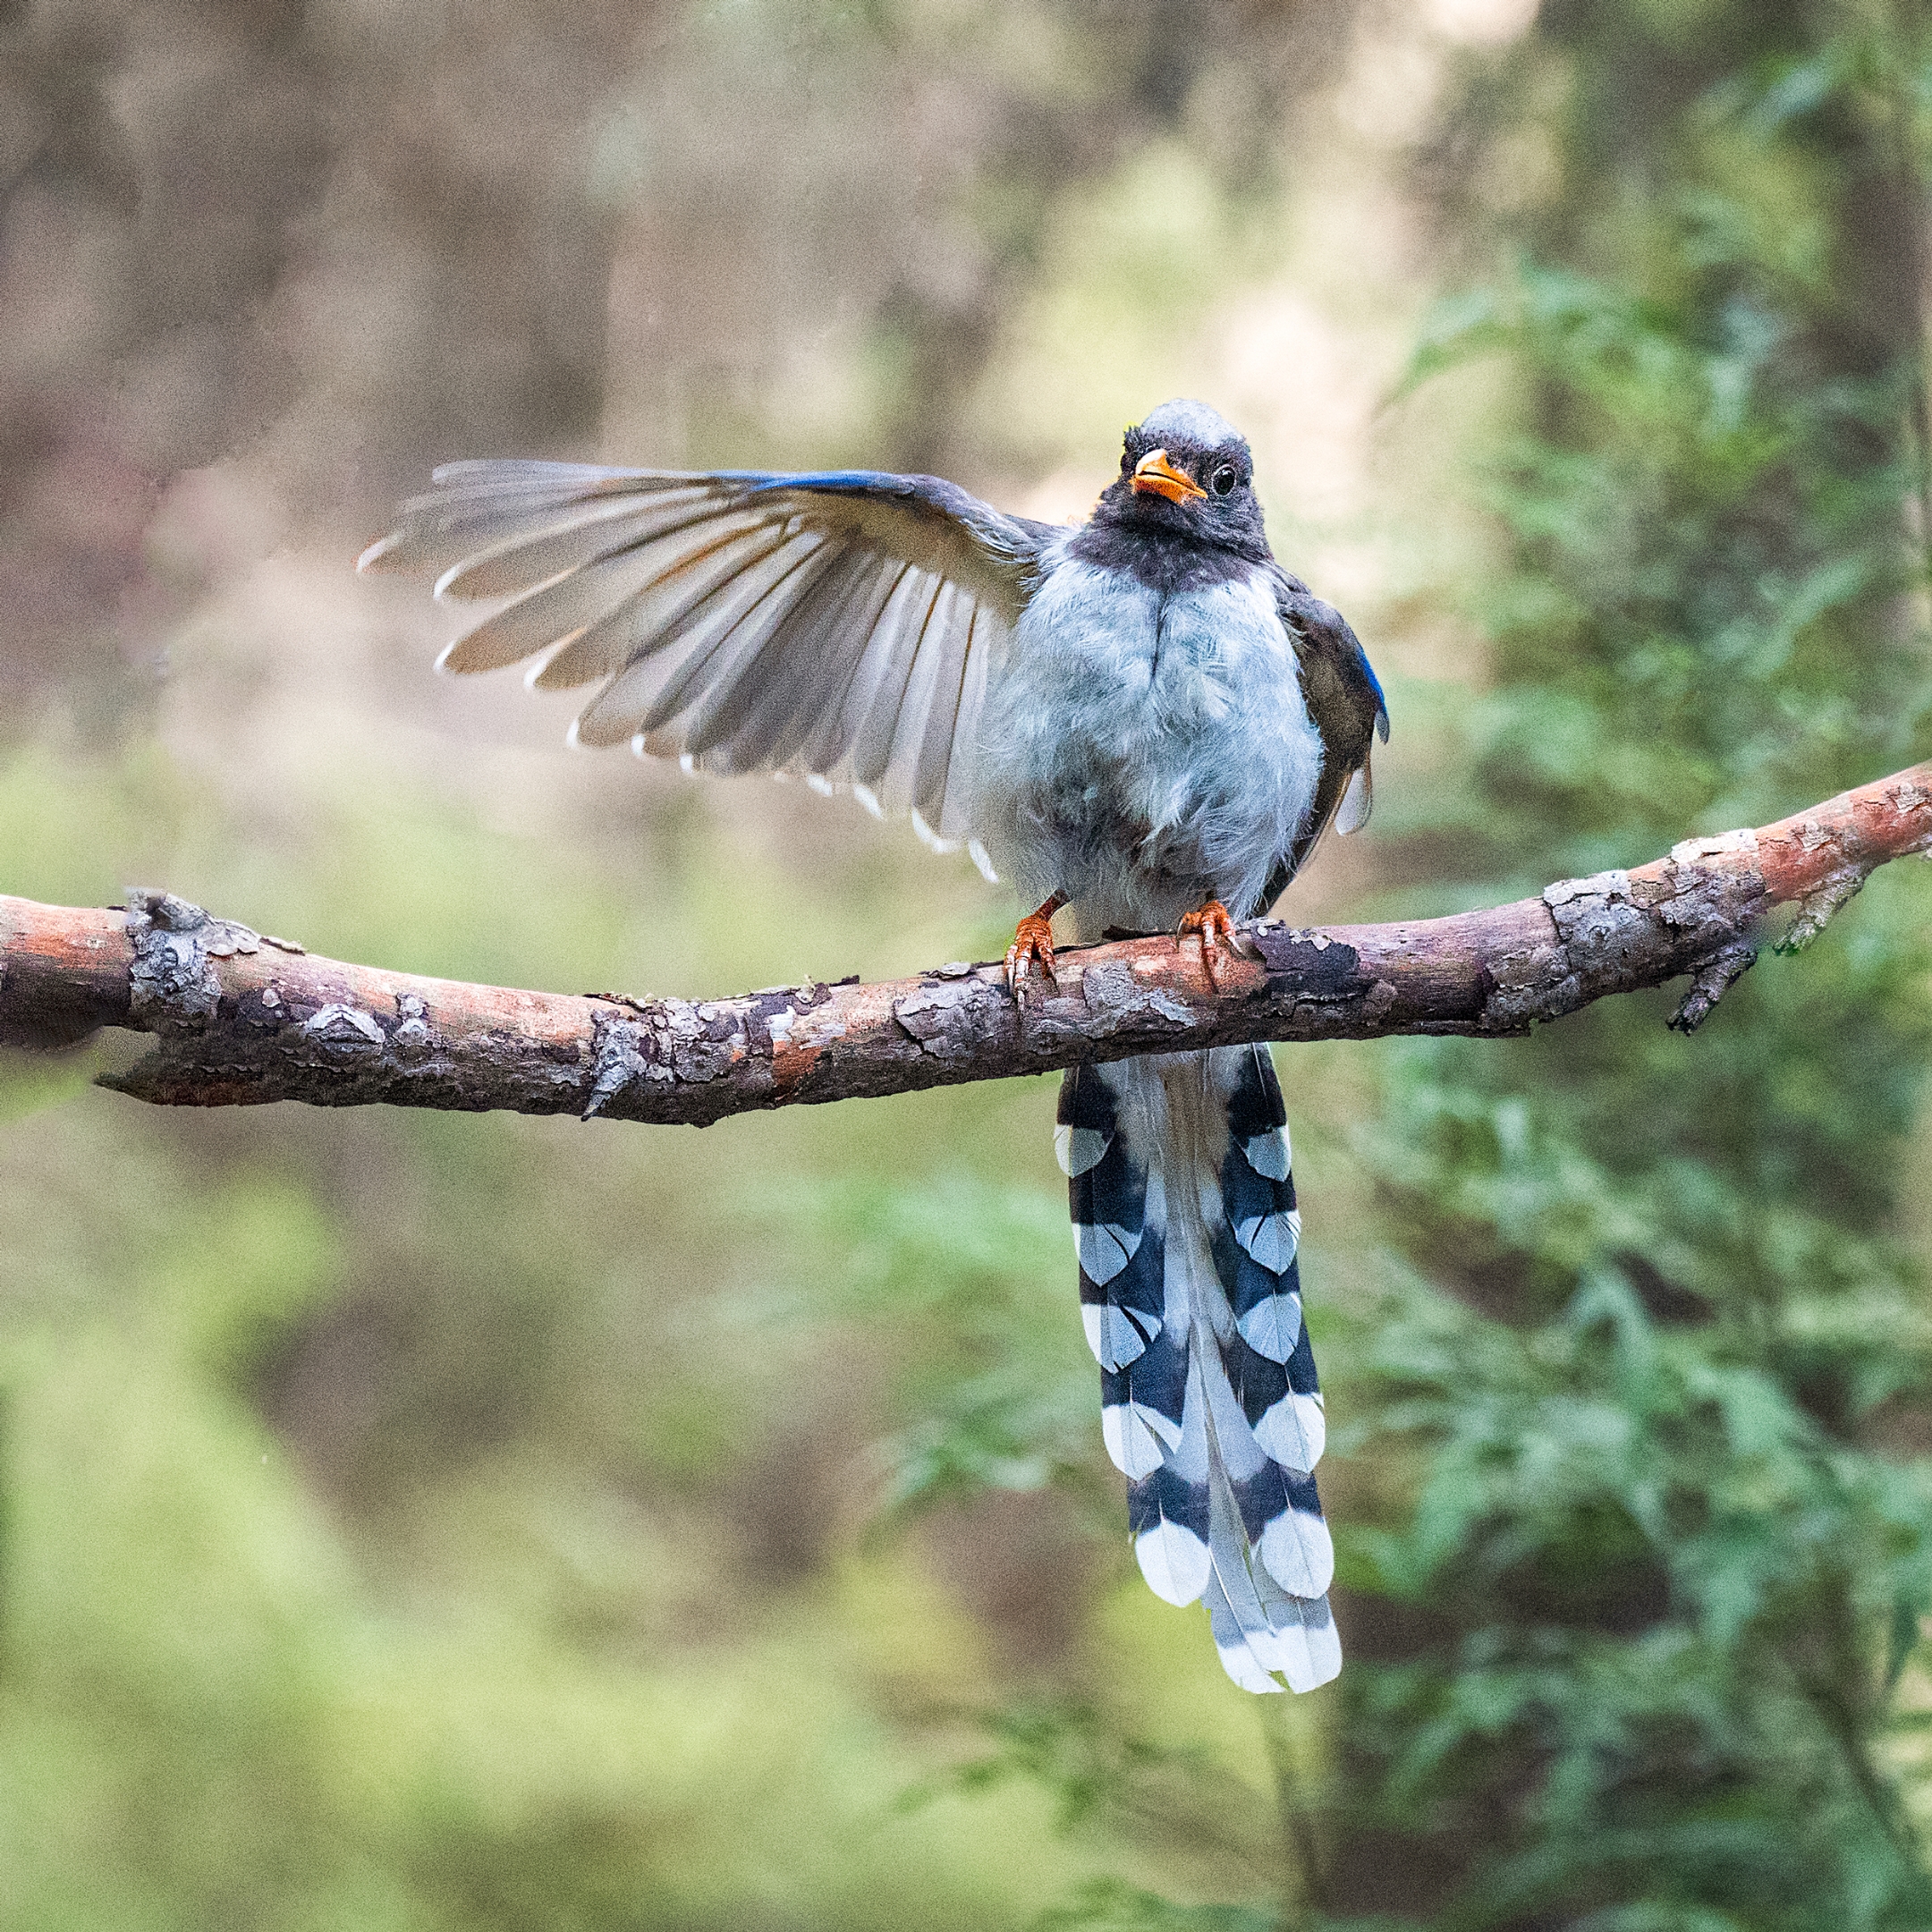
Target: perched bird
1145,721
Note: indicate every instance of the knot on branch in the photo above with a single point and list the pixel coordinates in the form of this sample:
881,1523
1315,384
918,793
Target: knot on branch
671,1043
172,985
621,1057
342,1031
949,1013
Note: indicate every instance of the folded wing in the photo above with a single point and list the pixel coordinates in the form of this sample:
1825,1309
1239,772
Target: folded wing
837,626
1344,698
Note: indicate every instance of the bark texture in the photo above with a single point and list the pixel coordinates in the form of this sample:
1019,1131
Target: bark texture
239,1017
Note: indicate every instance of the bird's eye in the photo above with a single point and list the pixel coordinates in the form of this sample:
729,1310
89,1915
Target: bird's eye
1223,481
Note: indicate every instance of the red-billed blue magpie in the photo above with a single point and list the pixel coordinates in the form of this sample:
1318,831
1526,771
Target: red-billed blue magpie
1144,720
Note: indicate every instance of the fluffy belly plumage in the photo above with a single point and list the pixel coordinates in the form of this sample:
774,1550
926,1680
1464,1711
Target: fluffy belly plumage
1144,752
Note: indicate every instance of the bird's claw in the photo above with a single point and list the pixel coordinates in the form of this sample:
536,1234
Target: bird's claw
1032,945
1214,926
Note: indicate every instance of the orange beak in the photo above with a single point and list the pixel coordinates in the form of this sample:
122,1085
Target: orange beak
1157,475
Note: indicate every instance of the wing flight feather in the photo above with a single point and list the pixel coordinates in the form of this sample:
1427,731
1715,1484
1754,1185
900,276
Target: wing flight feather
838,626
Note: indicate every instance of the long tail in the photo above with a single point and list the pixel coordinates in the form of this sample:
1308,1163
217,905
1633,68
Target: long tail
1184,1217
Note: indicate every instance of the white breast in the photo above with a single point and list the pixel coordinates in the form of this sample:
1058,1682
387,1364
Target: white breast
1142,754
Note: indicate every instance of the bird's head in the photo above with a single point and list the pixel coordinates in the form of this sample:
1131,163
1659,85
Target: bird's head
1187,470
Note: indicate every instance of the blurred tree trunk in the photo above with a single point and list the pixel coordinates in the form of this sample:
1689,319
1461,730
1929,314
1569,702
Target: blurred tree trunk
1632,1641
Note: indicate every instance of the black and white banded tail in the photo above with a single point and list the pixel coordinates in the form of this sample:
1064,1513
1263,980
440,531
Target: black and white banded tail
1185,1221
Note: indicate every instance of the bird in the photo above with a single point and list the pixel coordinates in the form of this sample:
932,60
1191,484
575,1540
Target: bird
1146,723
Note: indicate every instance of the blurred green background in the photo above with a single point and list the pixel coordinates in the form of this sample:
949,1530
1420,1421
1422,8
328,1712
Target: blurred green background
419,1522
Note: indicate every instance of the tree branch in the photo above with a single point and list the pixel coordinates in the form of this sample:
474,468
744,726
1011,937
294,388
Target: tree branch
239,1017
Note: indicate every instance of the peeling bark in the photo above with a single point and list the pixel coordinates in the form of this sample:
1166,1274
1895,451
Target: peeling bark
239,1017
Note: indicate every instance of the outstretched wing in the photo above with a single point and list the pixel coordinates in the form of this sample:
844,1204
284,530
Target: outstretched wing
1345,700
837,626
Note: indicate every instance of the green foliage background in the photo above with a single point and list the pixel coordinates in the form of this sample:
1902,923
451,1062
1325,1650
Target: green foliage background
449,1523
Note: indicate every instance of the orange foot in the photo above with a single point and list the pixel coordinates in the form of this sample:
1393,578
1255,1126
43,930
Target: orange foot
1214,926
1032,944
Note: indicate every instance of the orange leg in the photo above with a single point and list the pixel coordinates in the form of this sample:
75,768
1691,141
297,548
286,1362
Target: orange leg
1032,943
1214,926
